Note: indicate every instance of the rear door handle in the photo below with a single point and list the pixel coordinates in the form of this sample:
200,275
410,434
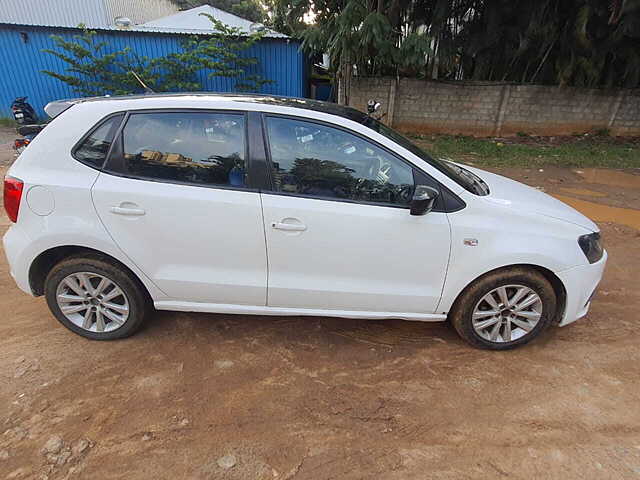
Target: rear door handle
289,227
130,211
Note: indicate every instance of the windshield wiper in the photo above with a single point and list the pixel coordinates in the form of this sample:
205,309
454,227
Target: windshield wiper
477,184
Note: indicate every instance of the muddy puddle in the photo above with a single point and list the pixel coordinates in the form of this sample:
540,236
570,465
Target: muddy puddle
583,192
596,211
604,213
614,178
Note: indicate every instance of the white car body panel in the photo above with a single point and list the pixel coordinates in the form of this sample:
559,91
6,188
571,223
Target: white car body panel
506,237
72,221
354,257
394,265
519,196
580,283
197,244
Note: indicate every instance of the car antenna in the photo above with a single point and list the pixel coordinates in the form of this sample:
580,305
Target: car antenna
144,85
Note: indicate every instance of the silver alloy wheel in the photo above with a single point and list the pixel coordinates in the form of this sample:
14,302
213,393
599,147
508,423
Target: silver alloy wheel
507,313
92,302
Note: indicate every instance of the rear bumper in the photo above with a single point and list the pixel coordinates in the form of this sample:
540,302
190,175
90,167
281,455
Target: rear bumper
15,243
580,284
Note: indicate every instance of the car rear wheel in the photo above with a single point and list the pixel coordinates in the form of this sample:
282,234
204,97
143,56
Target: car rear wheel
95,299
504,309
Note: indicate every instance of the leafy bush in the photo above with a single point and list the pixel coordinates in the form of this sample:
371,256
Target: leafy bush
92,71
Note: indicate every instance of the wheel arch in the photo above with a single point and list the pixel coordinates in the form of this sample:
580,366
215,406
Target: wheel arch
558,287
45,261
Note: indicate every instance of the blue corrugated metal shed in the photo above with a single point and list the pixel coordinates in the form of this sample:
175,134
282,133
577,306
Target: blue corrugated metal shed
280,60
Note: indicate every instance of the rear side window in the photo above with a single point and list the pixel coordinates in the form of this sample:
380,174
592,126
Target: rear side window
93,149
186,147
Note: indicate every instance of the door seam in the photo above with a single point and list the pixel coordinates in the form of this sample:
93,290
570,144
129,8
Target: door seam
116,244
446,271
266,252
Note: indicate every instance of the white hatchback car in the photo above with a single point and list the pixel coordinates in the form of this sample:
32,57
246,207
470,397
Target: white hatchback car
276,206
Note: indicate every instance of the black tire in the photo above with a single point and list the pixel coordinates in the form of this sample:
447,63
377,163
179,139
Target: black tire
462,312
136,295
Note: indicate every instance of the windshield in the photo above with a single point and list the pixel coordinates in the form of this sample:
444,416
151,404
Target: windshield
463,177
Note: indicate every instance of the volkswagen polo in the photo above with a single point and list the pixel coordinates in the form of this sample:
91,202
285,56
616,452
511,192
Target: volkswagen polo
281,206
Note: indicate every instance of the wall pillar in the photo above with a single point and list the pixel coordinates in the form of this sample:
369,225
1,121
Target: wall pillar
391,102
504,101
616,107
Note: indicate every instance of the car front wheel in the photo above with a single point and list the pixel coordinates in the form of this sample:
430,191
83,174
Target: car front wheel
504,309
95,298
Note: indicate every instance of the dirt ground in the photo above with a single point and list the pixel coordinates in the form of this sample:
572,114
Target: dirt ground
196,396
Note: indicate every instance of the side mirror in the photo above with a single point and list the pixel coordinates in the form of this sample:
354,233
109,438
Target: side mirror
423,200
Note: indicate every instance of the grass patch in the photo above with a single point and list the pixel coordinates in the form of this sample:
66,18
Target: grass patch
7,122
578,151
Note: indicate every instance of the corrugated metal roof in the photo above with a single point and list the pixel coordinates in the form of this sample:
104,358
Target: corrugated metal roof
192,21
55,13
140,11
99,14
92,13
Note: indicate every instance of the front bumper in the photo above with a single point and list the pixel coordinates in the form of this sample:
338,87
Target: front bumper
580,284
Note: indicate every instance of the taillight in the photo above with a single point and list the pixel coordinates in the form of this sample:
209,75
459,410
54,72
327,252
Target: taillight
12,195
20,142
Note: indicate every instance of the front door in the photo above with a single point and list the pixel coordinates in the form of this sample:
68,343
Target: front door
174,197
339,233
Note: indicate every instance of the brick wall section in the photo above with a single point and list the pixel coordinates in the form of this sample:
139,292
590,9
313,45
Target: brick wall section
627,120
363,89
446,107
498,109
552,110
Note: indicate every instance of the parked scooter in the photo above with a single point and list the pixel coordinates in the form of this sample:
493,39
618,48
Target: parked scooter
28,133
27,120
23,112
19,144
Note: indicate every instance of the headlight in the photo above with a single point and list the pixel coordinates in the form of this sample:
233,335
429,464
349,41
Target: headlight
591,245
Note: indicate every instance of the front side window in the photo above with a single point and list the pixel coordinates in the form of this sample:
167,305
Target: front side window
317,160
191,147
94,148
463,177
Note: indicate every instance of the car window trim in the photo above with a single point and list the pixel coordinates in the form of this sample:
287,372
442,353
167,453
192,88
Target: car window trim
440,206
258,169
117,141
91,131
120,139
178,182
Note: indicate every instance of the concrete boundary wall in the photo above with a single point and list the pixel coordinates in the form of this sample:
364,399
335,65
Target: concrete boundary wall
485,109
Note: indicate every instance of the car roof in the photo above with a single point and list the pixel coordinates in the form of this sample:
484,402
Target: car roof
55,108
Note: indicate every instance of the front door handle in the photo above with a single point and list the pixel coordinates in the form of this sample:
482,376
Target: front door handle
289,227
130,211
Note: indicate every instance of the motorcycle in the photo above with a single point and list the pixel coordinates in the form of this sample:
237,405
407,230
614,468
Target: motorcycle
23,112
28,133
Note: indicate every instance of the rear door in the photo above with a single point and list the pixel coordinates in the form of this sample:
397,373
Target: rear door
176,198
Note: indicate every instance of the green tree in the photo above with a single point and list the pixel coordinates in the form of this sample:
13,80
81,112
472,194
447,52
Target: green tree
222,54
91,70
565,42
